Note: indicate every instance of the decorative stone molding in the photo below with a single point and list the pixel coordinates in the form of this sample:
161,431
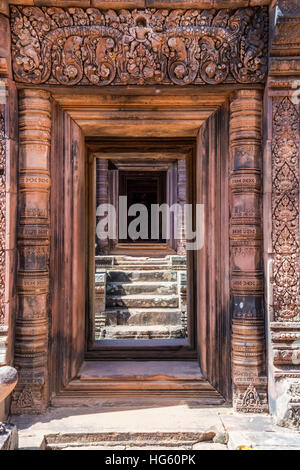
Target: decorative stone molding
75,46
31,340
2,215
248,337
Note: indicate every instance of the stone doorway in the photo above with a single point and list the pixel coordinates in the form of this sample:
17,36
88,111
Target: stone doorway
80,125
140,278
145,188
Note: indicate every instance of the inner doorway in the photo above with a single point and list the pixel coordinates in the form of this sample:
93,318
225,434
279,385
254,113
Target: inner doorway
139,273
146,189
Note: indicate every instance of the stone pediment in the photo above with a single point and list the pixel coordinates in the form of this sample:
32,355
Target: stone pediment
76,46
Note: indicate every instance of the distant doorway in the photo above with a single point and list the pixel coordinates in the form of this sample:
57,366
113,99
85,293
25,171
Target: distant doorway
143,190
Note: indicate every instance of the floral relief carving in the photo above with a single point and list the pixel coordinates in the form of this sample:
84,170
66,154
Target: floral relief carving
25,399
2,214
285,210
151,46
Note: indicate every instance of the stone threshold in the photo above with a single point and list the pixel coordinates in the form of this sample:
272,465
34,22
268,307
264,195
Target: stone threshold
97,379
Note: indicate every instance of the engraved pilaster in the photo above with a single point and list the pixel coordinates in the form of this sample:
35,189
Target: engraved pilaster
247,285
31,343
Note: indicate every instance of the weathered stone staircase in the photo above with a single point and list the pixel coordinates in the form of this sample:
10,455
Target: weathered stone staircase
143,301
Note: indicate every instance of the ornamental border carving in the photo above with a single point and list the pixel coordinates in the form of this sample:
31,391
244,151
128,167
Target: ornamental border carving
2,215
76,46
285,211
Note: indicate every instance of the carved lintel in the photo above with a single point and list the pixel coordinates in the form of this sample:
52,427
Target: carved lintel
76,46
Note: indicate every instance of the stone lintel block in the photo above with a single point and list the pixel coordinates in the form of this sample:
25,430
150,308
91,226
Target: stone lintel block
63,3
202,3
21,2
4,9
9,439
290,7
205,3
285,66
5,62
118,4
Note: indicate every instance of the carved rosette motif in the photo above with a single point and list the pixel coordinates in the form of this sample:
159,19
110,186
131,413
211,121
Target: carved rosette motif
285,211
31,335
2,214
248,336
70,46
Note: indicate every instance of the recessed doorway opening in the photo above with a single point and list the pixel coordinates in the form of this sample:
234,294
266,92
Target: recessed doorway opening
140,286
191,129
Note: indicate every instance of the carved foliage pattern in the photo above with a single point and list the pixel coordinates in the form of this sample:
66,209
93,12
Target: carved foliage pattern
285,210
151,46
2,214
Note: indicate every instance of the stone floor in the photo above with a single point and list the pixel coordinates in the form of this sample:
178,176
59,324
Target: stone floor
140,424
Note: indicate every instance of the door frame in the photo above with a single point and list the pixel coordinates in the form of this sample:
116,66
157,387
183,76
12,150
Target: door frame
188,112
177,349
210,129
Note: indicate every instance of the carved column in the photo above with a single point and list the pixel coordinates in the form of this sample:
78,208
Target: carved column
248,329
181,199
102,197
8,161
31,342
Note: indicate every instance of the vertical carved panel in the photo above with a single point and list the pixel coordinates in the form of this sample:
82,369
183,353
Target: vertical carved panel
285,211
248,336
2,215
31,343
285,304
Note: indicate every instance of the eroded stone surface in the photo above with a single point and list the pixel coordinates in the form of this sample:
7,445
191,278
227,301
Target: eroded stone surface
9,439
8,381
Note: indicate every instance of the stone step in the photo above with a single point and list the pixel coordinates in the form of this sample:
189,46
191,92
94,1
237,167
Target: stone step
142,316
145,301
143,260
156,288
143,332
142,276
